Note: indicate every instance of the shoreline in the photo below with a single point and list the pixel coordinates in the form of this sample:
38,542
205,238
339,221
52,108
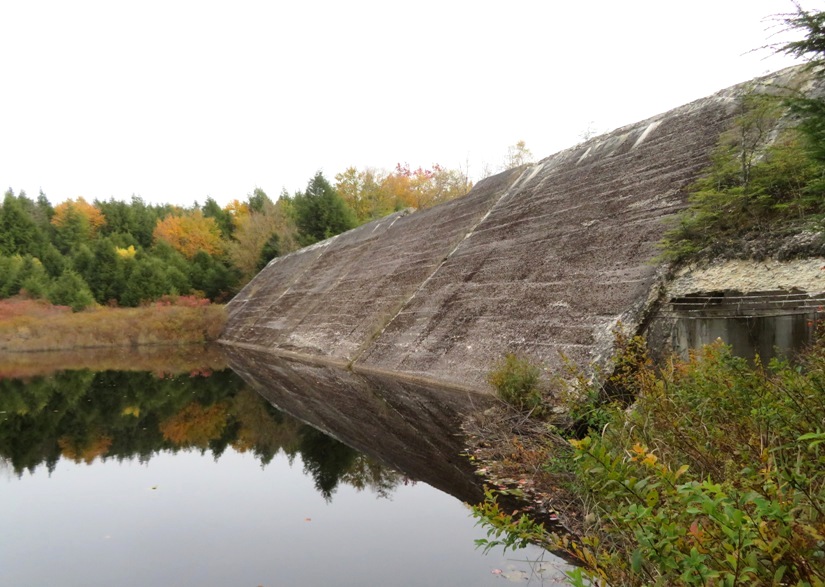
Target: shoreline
30,326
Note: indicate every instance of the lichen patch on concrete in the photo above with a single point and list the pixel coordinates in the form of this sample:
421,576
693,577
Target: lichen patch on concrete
747,276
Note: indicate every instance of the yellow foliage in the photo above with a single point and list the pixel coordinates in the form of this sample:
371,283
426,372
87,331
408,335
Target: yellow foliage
253,230
80,206
190,233
131,411
239,211
127,253
372,194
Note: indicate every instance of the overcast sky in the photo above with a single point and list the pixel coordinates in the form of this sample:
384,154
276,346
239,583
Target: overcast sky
177,101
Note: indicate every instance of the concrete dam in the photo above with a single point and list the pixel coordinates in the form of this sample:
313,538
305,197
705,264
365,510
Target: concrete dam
543,260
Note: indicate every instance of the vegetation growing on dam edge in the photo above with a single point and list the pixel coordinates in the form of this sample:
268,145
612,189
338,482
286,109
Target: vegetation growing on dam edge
715,475
763,194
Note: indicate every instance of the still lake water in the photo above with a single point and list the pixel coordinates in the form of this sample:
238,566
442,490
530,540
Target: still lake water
182,473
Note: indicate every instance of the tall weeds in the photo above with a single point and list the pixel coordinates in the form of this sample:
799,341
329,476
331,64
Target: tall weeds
39,327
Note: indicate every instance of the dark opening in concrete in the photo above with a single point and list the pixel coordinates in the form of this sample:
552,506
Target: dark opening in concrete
764,323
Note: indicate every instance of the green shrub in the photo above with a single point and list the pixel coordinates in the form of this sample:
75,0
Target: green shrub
516,381
71,290
715,476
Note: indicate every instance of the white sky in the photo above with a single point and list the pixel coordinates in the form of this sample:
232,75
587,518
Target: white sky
176,101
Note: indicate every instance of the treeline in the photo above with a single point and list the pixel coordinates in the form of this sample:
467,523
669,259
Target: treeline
118,253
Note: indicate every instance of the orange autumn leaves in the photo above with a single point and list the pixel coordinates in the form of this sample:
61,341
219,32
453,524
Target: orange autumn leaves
374,193
189,233
78,209
86,452
185,231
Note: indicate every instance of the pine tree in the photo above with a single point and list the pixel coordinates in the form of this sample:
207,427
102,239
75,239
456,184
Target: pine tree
320,212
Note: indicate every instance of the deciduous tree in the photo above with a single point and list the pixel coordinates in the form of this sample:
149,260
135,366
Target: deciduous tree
189,233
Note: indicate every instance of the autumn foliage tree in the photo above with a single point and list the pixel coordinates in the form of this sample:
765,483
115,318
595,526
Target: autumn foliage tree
92,214
189,233
195,425
76,222
422,188
363,191
373,194
262,228
517,155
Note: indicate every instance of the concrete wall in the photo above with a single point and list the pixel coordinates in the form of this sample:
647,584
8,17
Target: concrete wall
543,260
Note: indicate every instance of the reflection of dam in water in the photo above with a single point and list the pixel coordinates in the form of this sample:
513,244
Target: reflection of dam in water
410,426
407,425
763,323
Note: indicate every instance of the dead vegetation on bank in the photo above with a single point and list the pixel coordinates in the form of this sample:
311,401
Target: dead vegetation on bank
511,452
32,325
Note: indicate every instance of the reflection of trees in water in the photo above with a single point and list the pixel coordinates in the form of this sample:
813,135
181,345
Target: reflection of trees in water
331,462
325,459
365,473
6,468
84,415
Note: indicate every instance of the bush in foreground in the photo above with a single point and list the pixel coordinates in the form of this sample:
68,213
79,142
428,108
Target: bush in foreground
516,380
716,476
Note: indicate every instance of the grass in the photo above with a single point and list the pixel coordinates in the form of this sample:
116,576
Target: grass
32,325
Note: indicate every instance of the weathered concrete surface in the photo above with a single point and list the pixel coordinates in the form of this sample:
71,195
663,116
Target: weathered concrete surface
330,300
542,260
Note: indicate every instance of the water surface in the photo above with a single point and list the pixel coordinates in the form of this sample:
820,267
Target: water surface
186,475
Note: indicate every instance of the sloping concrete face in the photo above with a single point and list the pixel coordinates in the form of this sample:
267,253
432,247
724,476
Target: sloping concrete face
330,301
544,260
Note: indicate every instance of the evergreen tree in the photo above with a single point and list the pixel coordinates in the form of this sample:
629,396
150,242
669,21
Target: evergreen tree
52,260
106,280
320,212
811,110
74,230
209,275
222,218
18,232
11,268
258,200
270,250
36,281
71,290
148,278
